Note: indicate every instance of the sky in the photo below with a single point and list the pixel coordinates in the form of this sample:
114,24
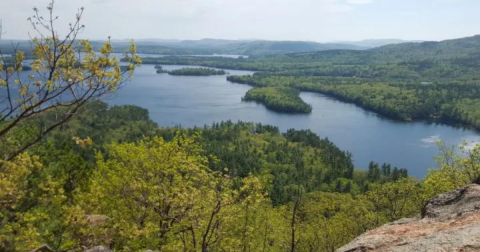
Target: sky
306,20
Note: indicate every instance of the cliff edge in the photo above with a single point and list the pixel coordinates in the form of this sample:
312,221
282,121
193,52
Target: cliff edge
448,222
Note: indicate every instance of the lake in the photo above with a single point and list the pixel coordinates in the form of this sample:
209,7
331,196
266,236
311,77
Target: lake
195,101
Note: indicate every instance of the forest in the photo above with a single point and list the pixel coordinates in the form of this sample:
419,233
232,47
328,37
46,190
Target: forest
282,99
125,183
112,177
196,72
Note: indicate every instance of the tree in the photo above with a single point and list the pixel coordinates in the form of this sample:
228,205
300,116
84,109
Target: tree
298,192
455,170
395,200
162,195
62,81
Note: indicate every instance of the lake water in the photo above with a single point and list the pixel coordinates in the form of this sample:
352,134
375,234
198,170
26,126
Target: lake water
196,101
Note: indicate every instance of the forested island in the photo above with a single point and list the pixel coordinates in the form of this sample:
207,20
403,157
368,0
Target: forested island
454,103
160,69
197,72
282,99
412,81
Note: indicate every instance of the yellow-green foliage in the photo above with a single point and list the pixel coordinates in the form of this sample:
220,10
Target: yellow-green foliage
455,170
157,194
161,195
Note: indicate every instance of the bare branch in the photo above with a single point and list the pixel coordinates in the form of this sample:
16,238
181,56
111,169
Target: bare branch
63,80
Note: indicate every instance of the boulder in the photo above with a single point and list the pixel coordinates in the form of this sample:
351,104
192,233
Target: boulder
448,222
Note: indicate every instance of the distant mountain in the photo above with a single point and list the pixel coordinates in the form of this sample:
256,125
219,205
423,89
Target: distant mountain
209,43
150,40
463,51
371,43
447,49
255,48
9,46
361,51
237,47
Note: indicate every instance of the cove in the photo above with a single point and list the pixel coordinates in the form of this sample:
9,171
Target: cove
190,101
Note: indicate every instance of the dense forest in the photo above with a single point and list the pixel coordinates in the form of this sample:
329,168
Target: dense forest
196,72
112,177
413,81
282,99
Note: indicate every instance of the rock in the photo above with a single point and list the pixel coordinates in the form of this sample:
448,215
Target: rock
98,249
43,248
449,222
477,181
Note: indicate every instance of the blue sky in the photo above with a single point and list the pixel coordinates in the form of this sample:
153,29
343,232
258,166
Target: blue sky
313,20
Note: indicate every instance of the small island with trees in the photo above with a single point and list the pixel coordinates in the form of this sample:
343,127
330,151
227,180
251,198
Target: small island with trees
196,72
160,69
281,99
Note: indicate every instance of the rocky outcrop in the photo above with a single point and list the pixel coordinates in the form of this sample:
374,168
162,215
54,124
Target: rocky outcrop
449,222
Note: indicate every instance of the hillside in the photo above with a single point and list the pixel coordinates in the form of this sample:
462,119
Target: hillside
256,48
371,43
236,47
379,50
110,177
468,47
461,51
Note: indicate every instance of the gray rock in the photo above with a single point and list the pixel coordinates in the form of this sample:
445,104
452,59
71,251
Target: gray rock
449,222
453,204
43,248
99,249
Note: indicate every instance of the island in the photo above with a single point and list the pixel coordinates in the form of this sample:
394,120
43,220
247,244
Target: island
160,69
197,72
281,99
